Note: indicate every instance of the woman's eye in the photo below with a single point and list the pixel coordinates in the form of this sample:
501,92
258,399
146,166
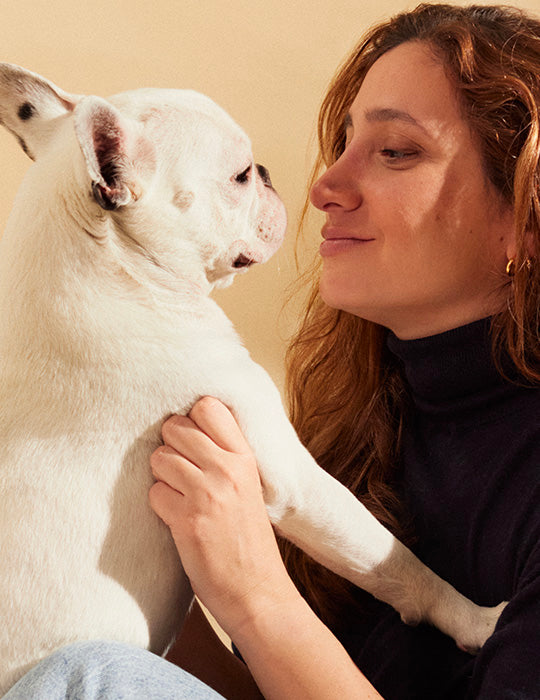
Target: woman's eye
397,155
243,177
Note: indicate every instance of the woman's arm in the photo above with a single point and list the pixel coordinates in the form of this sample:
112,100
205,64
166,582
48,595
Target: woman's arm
209,494
291,654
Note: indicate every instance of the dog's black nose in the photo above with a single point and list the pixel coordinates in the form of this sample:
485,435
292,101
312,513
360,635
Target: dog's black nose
265,175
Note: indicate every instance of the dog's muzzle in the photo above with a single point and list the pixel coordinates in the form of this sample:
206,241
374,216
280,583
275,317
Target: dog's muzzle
248,257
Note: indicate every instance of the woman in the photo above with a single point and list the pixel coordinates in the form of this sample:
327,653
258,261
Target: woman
414,380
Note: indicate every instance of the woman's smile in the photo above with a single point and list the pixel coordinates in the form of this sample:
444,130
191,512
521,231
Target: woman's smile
339,239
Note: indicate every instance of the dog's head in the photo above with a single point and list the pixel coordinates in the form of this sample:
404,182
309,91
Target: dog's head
166,171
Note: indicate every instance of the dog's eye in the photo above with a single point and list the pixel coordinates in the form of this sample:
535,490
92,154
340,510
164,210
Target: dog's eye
243,177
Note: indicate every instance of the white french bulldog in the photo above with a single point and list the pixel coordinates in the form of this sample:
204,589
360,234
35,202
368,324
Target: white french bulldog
135,208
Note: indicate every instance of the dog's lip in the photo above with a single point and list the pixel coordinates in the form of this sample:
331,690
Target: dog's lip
243,261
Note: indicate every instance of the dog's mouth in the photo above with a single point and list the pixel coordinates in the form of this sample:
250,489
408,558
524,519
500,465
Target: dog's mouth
242,261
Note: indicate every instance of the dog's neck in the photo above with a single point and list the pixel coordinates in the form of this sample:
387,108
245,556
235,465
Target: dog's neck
79,271
58,225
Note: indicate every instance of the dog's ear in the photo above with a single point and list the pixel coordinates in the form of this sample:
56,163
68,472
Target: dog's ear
108,141
30,107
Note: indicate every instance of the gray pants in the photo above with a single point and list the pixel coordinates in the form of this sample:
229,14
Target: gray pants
108,671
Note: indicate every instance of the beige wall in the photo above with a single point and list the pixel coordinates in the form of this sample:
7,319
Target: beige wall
266,61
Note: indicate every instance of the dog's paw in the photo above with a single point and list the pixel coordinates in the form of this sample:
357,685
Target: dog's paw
482,625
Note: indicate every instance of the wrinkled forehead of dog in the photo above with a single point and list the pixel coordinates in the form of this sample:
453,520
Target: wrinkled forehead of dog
185,120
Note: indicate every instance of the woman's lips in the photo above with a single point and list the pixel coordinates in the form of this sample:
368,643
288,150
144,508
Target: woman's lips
338,242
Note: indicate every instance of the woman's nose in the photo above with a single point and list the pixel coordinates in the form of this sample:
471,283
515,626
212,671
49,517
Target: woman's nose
338,186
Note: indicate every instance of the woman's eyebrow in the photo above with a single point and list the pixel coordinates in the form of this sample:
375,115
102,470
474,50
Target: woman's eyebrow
385,114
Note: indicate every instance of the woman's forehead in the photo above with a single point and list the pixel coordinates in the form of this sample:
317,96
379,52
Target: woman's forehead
410,84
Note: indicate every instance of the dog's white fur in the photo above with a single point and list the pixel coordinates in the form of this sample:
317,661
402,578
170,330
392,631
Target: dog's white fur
134,209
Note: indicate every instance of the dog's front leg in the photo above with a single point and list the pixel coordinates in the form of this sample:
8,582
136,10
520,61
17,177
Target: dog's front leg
326,520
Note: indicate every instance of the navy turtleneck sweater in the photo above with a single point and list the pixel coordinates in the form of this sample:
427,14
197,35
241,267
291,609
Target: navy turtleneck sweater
471,479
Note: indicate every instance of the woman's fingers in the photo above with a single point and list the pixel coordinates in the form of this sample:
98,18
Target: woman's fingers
174,469
207,436
183,435
216,420
208,441
166,503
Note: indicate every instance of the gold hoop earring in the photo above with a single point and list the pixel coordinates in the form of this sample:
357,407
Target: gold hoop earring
511,267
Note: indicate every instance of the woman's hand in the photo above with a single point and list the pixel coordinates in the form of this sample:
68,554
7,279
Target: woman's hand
209,493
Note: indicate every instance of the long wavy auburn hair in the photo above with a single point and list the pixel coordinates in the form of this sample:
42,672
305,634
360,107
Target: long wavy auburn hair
345,391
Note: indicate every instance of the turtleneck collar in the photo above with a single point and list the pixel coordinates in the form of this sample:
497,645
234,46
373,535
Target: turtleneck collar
452,370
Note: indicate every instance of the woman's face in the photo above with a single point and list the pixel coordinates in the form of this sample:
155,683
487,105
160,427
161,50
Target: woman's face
416,238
